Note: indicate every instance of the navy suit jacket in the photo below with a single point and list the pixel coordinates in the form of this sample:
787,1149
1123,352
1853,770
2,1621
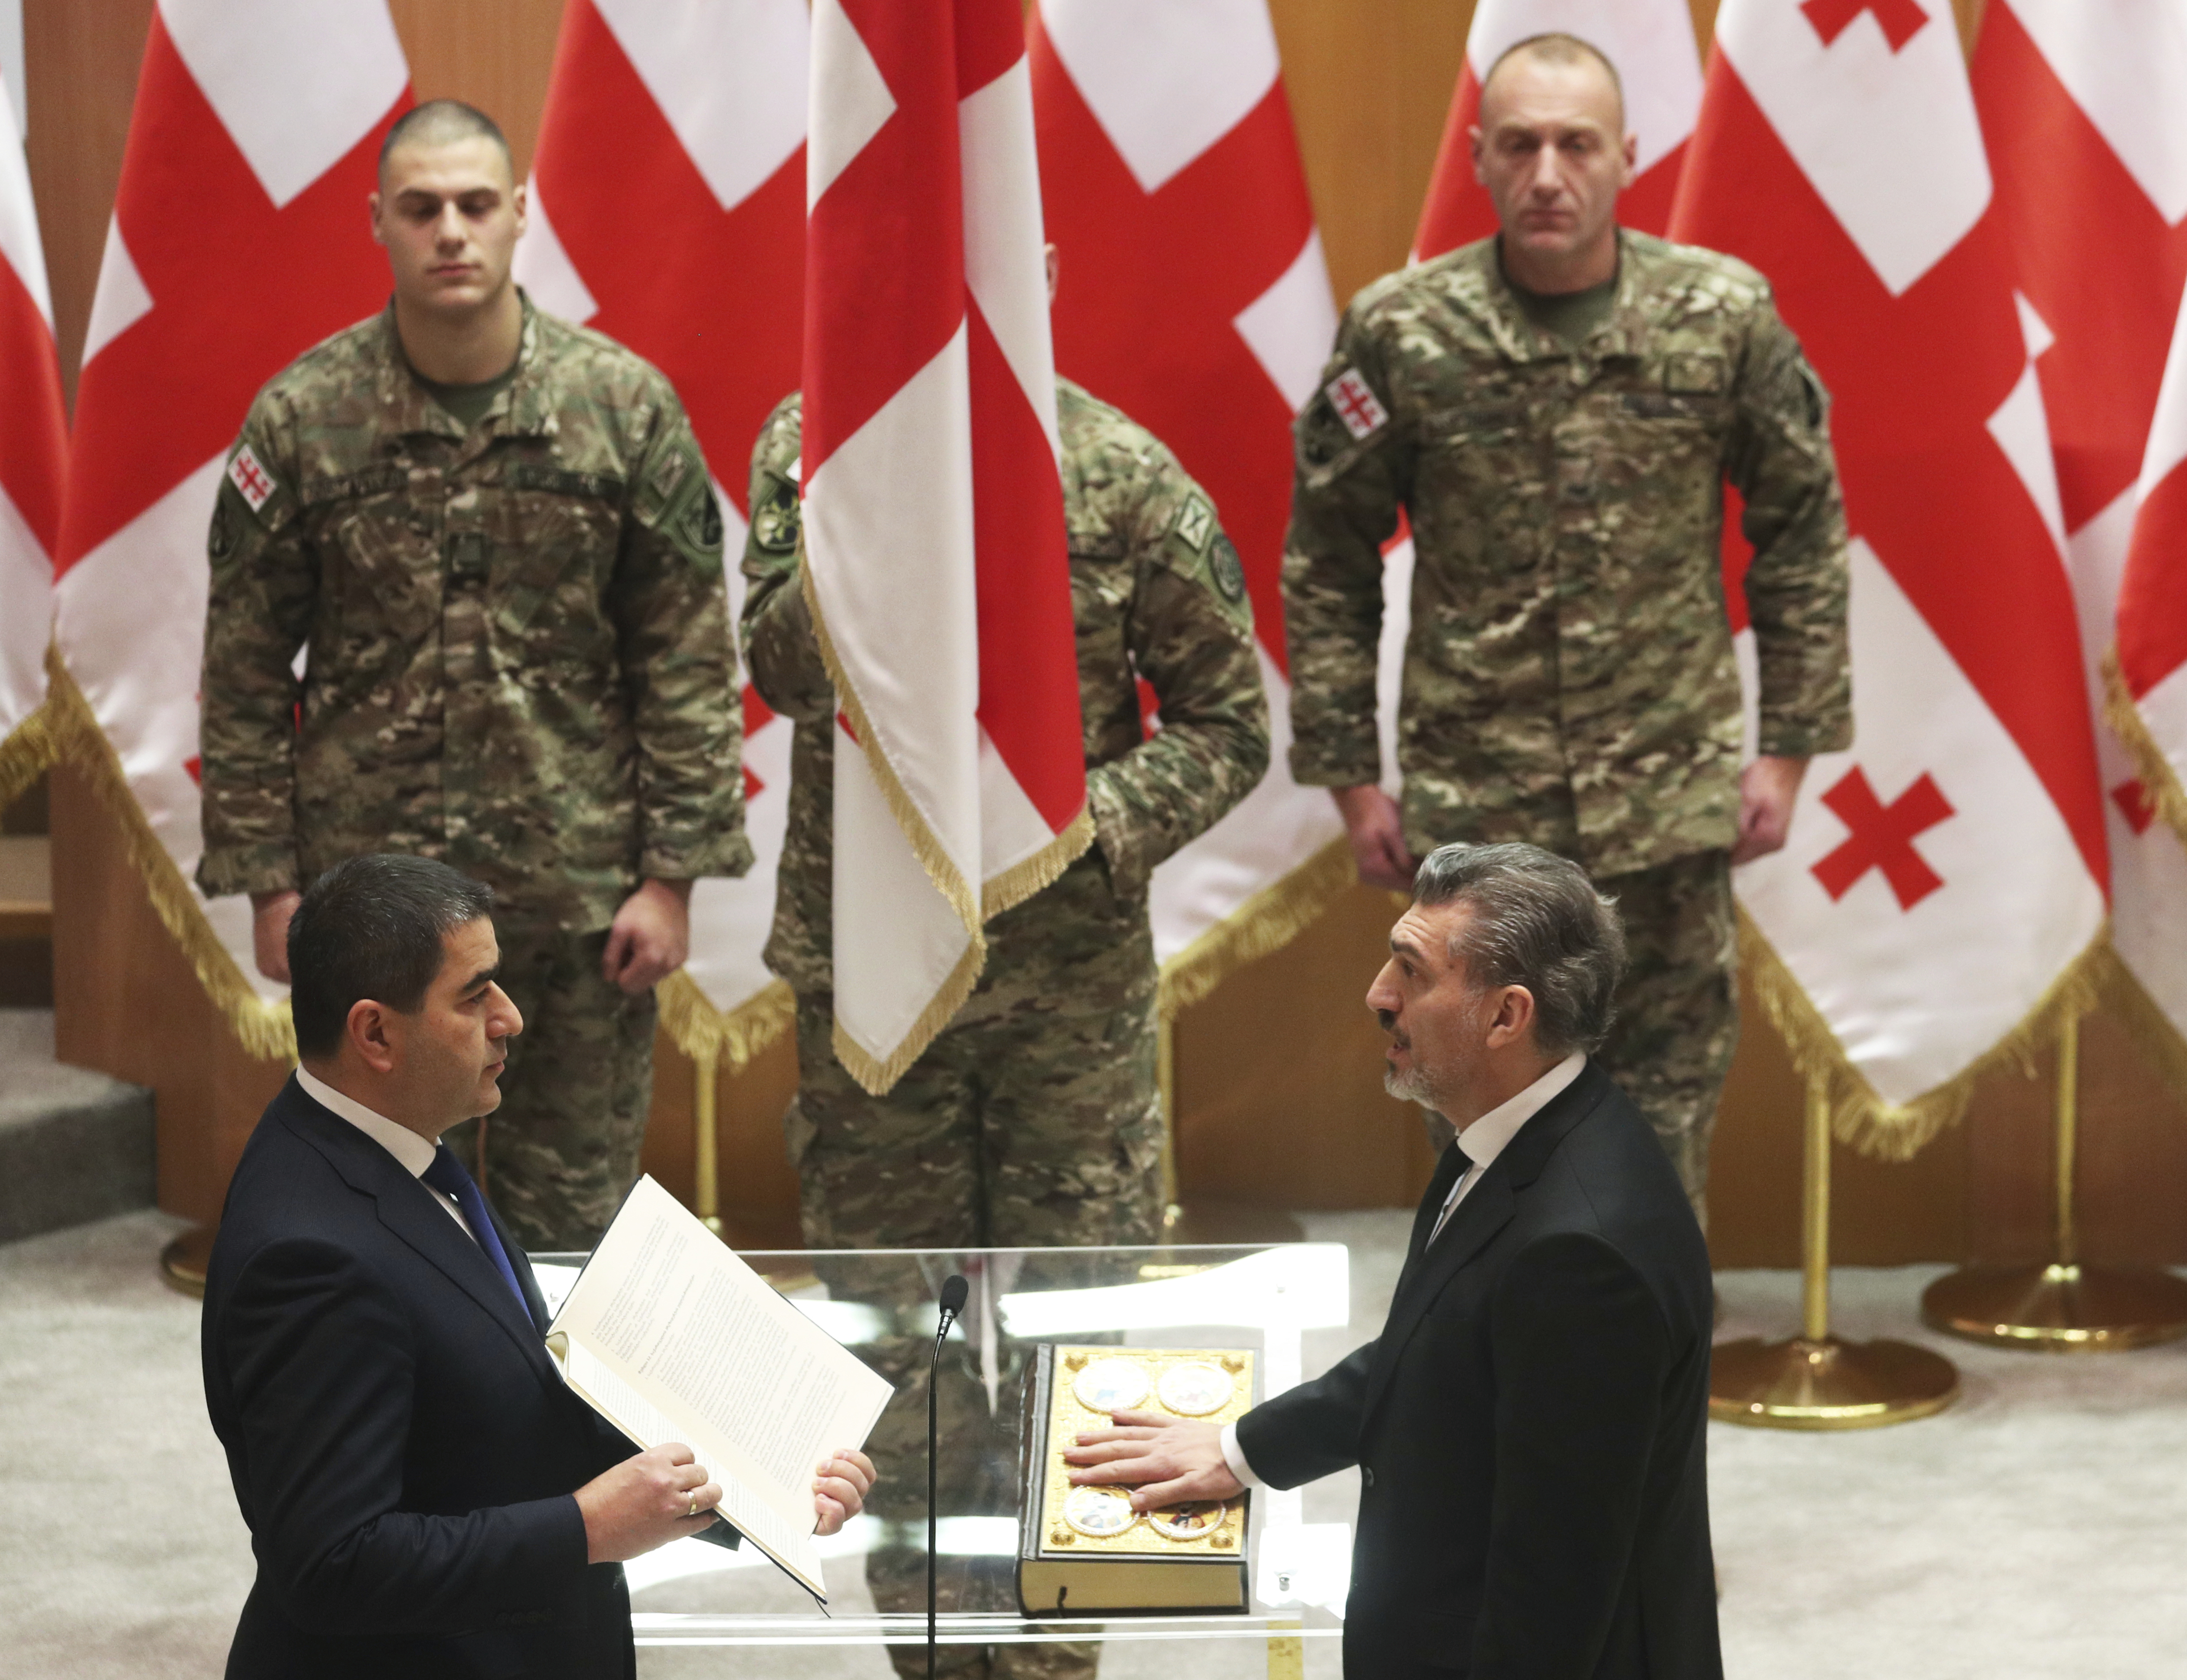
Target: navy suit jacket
1529,1426
403,1449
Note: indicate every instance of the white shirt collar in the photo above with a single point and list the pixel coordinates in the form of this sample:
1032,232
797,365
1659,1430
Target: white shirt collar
1484,1140
414,1152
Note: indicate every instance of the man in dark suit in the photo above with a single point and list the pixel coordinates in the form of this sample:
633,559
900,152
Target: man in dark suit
1529,1426
425,1497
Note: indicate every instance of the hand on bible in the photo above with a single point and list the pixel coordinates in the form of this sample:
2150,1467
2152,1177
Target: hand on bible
840,1493
645,1501
1162,1459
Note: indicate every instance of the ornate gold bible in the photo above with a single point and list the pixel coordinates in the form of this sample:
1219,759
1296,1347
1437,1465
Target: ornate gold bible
1085,1549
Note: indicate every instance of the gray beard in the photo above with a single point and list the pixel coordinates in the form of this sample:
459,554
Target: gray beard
1408,1085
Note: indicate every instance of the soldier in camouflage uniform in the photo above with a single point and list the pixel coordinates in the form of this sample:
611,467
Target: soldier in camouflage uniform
520,659
1032,1119
1557,410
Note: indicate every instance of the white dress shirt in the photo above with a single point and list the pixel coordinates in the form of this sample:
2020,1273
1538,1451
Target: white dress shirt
414,1152
1480,1142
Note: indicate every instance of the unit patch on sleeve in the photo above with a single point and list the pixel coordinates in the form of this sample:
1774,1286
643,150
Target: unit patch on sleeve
1229,575
1195,519
250,479
1357,407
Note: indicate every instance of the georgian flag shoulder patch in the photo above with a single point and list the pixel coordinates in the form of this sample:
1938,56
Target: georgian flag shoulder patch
250,479
1357,407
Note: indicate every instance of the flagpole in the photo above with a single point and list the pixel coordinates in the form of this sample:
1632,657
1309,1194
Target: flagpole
1816,1381
2063,1307
707,1196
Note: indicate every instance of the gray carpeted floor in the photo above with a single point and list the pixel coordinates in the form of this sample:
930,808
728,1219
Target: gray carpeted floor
2038,1531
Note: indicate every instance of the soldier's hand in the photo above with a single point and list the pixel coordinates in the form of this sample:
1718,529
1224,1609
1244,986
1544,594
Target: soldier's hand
1766,789
1162,1459
269,931
647,1501
650,935
839,1488
1378,837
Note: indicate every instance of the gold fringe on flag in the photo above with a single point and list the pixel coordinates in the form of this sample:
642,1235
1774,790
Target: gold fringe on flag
263,1029
1264,924
27,754
2160,782
730,1038
1014,887
1897,1132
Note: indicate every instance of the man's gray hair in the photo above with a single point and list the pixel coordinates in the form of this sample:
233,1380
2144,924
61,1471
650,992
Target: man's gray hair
1536,922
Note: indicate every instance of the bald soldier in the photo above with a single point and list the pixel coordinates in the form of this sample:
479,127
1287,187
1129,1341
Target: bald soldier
495,534
1557,409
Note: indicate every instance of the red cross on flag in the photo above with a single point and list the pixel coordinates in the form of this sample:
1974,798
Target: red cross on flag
1651,43
1945,883
239,240
667,210
1194,295
33,450
936,562
2080,103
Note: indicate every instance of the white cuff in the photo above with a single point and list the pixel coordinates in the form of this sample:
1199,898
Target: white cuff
1234,1456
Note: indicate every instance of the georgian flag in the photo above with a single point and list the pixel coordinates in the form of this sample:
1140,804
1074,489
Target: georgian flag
2080,104
1650,42
687,118
33,455
1945,878
1195,296
937,565
239,241
2149,666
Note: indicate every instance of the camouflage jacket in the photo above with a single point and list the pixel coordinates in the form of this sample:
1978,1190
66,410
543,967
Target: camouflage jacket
1156,591
520,658
1569,676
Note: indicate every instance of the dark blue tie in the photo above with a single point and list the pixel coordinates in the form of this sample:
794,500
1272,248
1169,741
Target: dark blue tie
447,1174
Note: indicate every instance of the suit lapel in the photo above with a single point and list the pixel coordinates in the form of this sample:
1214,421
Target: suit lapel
1487,1208
1449,1169
409,1210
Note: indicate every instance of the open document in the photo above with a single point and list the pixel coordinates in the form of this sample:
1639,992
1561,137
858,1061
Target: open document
671,1337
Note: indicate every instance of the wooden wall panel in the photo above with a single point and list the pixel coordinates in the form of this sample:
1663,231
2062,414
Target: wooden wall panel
495,54
1277,1072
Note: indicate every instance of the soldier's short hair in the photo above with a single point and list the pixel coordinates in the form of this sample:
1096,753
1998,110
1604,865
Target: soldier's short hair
1536,922
372,927
439,121
1556,48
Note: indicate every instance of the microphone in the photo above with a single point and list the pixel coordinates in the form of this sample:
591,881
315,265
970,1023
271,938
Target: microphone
954,1292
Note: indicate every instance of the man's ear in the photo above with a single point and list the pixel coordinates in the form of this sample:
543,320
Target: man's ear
372,214
522,205
372,1033
1514,1019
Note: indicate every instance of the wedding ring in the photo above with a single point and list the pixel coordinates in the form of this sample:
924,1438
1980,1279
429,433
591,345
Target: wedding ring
694,1511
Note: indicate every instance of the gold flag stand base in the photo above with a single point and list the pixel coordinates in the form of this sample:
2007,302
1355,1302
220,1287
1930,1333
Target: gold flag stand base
1815,1381
2058,1308
2064,1306
182,1262
1827,1384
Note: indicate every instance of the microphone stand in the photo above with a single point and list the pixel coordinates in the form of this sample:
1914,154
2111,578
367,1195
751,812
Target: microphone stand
953,1293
